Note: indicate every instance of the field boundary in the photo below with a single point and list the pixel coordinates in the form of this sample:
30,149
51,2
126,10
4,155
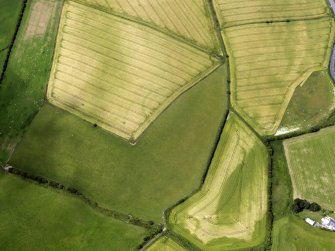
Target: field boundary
11,45
172,34
51,184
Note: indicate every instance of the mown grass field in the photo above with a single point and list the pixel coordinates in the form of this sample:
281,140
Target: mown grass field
292,233
142,180
311,104
23,88
189,19
39,218
311,161
165,244
229,212
9,16
269,60
118,74
234,13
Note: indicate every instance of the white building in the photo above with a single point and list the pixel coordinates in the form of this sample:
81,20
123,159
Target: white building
310,221
328,223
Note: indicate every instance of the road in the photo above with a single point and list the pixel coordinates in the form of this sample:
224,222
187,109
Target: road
332,59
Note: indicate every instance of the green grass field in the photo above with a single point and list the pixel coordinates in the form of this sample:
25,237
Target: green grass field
292,233
311,104
143,179
23,88
311,161
39,218
282,196
165,244
229,212
9,15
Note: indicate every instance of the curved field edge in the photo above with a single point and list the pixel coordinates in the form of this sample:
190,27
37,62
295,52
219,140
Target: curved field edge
311,105
64,148
292,233
216,205
93,118
68,222
290,90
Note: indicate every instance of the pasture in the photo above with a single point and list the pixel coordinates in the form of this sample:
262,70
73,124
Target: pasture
165,243
281,182
144,179
24,85
234,13
39,218
311,162
9,15
189,19
118,74
311,104
269,60
229,212
292,233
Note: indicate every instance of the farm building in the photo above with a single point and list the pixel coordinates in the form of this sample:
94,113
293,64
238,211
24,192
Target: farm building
328,223
310,221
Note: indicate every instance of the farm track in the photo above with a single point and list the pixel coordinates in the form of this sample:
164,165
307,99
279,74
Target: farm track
10,47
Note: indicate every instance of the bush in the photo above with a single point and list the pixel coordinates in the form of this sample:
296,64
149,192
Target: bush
299,205
315,207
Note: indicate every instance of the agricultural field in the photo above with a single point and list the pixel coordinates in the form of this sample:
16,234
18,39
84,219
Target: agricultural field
292,233
311,161
269,60
311,104
166,125
29,211
234,13
9,15
165,244
23,88
188,19
118,175
229,212
118,74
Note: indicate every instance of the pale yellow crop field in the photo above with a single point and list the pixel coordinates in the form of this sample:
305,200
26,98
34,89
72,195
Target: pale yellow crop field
268,61
117,73
188,18
237,12
230,209
165,244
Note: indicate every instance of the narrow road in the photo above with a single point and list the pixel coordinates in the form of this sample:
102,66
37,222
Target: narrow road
332,59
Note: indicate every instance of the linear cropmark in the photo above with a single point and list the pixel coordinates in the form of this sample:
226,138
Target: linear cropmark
119,74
